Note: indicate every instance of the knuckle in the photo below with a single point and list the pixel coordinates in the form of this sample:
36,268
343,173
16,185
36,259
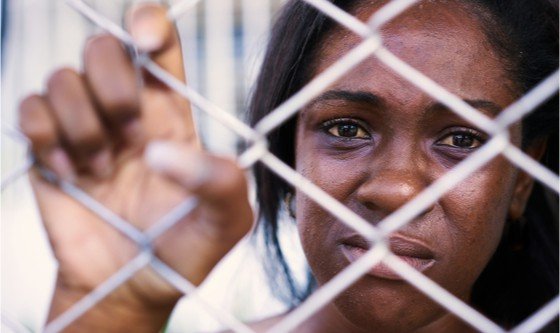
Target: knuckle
34,120
28,107
99,48
61,77
111,77
121,104
96,45
42,137
88,139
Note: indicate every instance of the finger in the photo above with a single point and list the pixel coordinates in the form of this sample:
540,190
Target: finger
112,80
155,34
214,179
79,124
37,123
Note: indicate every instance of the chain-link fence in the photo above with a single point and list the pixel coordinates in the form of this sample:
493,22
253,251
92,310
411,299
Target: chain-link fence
372,45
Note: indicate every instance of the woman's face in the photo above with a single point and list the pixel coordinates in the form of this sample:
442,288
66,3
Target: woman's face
374,141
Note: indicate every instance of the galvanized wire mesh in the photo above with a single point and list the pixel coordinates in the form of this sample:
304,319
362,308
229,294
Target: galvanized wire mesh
257,151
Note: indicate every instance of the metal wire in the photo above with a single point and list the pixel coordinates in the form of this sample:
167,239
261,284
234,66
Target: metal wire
331,289
16,174
372,45
188,288
104,289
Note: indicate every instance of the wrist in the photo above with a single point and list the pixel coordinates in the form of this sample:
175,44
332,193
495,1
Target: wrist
114,313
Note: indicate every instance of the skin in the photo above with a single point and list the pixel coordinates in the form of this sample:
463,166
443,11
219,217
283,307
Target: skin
401,142
97,128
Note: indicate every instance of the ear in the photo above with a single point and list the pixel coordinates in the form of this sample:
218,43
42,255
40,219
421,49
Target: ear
524,183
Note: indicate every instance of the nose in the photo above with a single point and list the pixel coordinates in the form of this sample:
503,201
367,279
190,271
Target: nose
391,185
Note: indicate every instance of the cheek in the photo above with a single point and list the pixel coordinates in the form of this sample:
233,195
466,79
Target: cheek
475,212
318,229
339,175
480,204
466,226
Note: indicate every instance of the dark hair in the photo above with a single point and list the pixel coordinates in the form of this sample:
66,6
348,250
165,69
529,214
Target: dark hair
516,282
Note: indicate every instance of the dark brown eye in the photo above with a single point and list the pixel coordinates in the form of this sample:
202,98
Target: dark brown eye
348,130
461,140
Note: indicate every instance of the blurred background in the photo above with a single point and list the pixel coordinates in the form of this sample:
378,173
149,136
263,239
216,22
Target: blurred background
223,43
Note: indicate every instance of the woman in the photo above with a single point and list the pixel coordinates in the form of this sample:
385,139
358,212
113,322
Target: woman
372,140
511,27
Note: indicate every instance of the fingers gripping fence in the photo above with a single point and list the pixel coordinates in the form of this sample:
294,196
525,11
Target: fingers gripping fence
372,45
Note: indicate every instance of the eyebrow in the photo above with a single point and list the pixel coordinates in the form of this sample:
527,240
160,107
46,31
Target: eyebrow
374,100
365,97
479,104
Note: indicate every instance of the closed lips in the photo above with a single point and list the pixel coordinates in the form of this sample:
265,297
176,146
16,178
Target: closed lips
411,251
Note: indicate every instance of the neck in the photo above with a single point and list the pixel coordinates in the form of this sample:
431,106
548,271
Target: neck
330,320
447,323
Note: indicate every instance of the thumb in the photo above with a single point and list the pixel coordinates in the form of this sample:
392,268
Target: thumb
218,181
154,33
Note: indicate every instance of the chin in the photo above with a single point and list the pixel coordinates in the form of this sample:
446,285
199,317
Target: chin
380,305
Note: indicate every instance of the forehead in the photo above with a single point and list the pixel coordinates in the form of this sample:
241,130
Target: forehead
442,39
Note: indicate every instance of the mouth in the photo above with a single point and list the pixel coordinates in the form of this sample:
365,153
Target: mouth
412,251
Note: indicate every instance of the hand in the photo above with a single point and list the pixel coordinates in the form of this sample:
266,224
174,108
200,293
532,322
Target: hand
100,130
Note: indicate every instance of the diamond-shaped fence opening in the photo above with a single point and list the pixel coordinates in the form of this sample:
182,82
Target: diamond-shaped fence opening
257,151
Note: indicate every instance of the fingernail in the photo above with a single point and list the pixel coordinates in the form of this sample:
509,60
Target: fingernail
60,163
169,158
145,28
101,163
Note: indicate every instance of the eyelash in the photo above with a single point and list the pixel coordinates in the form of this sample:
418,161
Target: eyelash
478,139
475,135
329,125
